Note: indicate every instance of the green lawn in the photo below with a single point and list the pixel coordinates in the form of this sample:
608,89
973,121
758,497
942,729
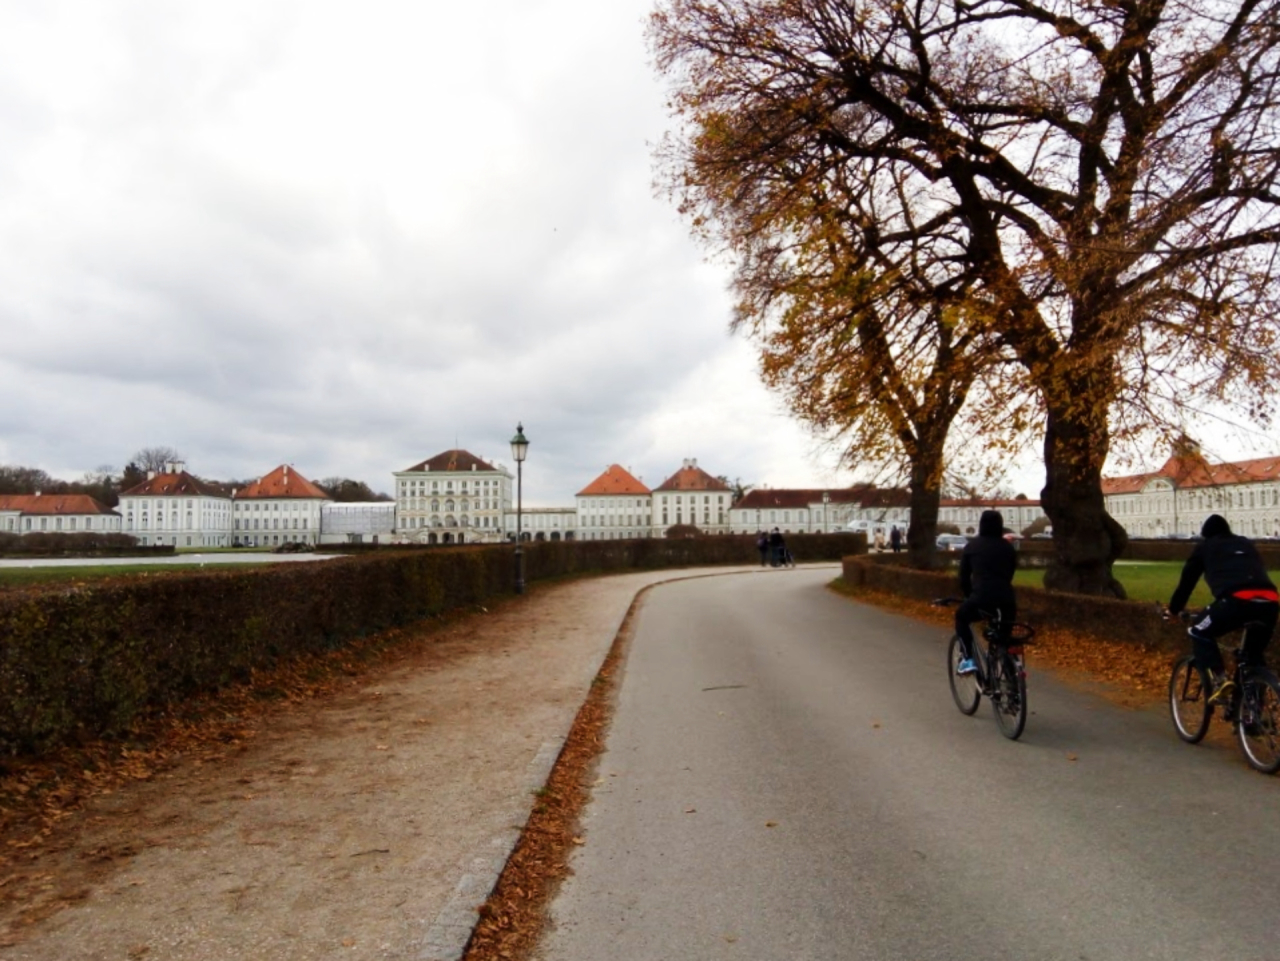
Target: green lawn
1143,581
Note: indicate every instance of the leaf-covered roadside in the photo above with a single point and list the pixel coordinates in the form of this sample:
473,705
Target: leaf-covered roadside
1129,673
512,919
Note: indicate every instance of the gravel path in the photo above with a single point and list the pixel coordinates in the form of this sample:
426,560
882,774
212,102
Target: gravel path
365,825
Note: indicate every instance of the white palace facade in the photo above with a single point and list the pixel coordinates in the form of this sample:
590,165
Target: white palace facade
1174,500
458,498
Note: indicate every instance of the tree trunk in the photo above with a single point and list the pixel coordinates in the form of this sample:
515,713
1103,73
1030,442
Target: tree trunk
1086,539
926,492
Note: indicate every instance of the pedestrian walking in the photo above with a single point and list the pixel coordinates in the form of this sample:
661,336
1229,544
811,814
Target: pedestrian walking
895,539
776,546
762,545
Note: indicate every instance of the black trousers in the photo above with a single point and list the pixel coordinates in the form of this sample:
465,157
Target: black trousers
978,608
1228,614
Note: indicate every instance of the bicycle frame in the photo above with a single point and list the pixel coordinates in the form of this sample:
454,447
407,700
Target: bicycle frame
1250,708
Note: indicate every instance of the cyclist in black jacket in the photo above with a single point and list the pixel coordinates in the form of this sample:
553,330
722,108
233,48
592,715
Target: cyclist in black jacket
986,580
1242,595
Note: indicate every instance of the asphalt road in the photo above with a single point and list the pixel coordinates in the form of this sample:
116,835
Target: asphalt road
787,778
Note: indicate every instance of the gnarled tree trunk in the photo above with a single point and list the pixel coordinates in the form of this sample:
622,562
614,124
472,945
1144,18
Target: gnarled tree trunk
1087,540
926,493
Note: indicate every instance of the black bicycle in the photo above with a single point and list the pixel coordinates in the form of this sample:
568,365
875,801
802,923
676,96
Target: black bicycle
1252,706
1001,674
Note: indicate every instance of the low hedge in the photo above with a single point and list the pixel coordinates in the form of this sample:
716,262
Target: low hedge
82,544
85,660
1129,622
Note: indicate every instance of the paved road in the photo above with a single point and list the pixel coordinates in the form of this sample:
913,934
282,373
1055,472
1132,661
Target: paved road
787,778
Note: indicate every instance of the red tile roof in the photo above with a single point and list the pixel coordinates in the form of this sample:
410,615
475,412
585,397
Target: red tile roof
691,477
765,497
452,460
614,480
281,482
1190,470
53,504
180,484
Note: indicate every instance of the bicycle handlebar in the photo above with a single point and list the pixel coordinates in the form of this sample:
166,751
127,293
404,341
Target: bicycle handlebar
1187,614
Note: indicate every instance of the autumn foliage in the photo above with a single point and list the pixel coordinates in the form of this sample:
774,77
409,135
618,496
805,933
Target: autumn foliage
1099,183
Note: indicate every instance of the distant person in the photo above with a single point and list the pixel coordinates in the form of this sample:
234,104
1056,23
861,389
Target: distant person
776,546
1242,595
879,539
987,565
762,545
895,539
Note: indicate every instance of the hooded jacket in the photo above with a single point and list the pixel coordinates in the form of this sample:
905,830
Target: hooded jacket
988,562
1229,563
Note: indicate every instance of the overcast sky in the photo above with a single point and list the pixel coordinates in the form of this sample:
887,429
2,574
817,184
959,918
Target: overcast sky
347,237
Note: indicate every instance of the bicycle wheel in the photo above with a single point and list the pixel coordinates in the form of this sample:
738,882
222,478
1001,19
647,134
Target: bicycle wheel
1009,694
1188,700
964,687
1259,725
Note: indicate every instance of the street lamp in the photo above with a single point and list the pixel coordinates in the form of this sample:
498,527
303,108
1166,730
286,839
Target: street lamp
519,451
826,524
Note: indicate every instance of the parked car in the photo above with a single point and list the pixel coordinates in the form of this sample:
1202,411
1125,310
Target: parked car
951,542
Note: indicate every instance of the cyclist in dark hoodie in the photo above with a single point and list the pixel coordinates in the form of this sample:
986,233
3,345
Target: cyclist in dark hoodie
1242,595
986,580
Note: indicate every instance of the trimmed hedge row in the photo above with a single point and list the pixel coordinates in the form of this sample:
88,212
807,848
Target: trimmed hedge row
1129,622
87,659
82,544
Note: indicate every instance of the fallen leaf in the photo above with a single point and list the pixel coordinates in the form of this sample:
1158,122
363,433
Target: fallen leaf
579,841
381,747
771,824
876,724
690,810
1072,756
348,942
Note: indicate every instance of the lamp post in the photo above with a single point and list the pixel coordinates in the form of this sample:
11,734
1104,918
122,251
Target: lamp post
519,451
826,523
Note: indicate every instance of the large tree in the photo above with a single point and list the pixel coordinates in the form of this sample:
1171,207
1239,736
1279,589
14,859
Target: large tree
344,489
1103,174
157,459
889,375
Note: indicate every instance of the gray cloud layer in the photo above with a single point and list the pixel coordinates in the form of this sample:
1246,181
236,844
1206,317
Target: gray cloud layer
275,231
